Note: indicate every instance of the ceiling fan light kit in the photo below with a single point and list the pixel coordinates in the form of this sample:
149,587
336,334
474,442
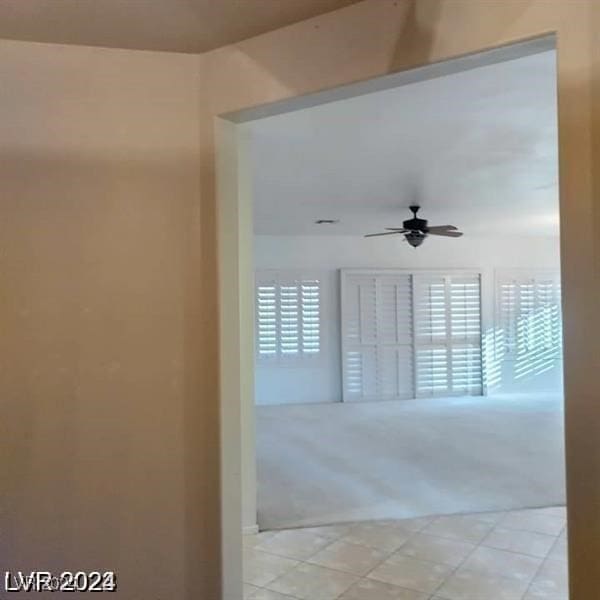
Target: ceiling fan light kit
415,230
415,238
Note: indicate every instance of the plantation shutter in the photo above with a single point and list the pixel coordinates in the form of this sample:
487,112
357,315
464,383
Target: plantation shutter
448,335
377,336
310,315
549,320
528,315
395,369
359,337
465,324
288,317
432,347
267,327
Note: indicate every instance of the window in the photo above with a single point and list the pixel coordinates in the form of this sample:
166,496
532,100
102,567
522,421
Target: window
448,335
407,335
528,320
288,317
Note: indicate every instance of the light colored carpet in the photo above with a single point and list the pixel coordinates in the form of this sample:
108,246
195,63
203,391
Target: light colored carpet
333,463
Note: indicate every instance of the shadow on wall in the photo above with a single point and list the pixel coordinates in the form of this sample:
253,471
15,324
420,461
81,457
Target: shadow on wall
528,357
102,403
400,34
416,44
326,52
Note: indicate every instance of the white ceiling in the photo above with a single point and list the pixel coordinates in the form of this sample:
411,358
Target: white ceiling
171,25
477,149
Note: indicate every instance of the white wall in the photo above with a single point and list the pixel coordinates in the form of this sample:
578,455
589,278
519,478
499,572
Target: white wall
327,254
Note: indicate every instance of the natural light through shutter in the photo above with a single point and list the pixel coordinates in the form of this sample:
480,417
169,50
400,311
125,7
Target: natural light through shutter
407,335
448,335
311,316
432,335
266,320
529,310
508,316
466,360
288,317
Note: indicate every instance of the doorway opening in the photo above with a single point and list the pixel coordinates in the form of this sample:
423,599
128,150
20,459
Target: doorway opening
408,401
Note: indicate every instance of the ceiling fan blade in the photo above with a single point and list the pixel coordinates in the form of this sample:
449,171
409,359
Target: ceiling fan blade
445,233
385,233
397,229
435,228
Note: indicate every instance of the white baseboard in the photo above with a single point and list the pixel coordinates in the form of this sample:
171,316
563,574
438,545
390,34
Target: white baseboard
250,529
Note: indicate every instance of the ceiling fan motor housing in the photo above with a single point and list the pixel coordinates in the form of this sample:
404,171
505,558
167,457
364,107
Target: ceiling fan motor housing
415,224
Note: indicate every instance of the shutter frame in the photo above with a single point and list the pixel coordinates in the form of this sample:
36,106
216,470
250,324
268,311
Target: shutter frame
288,324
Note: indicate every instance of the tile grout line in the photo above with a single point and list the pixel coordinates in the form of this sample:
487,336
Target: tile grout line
421,531
480,545
537,572
413,533
341,539
305,562
388,554
542,564
439,587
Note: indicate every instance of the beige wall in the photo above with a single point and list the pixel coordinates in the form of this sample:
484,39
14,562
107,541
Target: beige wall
108,276
377,37
108,432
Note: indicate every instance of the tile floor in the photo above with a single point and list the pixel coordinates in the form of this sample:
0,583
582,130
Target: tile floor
516,555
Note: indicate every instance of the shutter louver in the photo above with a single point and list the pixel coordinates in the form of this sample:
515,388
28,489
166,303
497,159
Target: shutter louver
358,338
528,309
395,372
266,322
410,335
431,326
529,316
360,373
288,318
311,316
508,317
448,335
466,359
467,372
377,336
432,371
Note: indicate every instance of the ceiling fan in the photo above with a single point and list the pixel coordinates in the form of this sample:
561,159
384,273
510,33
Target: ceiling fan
415,230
